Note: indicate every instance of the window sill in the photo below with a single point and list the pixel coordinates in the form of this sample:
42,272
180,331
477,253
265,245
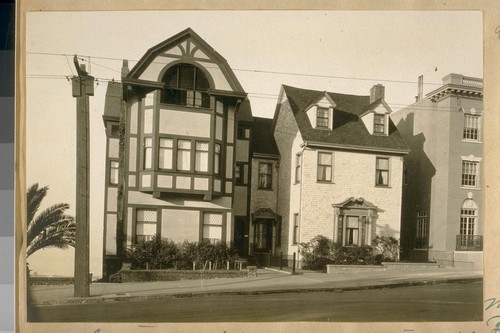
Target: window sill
324,182
470,188
472,141
383,186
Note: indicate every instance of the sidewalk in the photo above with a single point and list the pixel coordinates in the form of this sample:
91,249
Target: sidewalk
267,281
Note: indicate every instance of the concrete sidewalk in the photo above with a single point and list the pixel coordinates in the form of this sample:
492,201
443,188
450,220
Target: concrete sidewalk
267,281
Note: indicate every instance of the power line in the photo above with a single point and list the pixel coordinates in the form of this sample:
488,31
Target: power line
262,71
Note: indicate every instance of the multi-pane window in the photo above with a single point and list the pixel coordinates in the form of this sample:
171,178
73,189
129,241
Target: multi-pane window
217,158
382,172
296,226
379,123
322,117
113,172
148,153
297,168
265,176
165,153
471,127
212,227
145,225
405,177
183,155
186,84
352,231
201,157
324,167
470,173
467,221
422,230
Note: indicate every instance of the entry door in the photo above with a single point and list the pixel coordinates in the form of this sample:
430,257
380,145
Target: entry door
263,235
239,235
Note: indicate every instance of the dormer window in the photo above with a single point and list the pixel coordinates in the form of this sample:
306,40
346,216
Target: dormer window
322,117
379,124
186,84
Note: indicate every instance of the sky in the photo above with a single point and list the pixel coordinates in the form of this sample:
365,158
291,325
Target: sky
337,51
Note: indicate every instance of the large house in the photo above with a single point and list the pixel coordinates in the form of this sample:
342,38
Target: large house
341,167
442,217
186,159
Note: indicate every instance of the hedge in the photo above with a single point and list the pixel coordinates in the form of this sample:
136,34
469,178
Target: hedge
173,275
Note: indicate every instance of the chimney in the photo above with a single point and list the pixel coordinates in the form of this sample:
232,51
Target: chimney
377,92
125,69
420,88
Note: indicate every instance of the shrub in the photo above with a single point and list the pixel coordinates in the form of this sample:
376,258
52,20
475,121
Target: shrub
203,252
321,251
317,253
354,255
387,247
161,253
157,253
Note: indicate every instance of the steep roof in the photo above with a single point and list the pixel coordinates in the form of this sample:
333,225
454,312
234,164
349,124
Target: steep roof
187,34
112,103
348,128
262,138
245,111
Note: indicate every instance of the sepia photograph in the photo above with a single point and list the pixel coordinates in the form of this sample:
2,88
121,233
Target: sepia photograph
254,166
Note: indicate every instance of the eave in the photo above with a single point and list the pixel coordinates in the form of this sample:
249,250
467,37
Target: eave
393,151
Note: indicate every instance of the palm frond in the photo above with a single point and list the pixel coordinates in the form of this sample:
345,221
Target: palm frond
34,197
46,218
59,235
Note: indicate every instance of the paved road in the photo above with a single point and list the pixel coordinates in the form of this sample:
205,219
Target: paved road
446,302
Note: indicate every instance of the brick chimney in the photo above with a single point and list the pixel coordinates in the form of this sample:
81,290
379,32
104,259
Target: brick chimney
377,92
125,69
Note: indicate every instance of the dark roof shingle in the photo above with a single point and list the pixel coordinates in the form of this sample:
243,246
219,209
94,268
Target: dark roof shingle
348,128
263,141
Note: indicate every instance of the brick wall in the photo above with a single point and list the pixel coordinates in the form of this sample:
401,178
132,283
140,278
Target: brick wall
353,176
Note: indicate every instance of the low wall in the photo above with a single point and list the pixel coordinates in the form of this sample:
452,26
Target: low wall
410,265
173,275
331,269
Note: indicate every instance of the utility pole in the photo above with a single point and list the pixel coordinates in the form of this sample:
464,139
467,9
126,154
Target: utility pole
83,87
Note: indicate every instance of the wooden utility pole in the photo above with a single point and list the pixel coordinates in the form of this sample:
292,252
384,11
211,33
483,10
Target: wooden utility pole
83,87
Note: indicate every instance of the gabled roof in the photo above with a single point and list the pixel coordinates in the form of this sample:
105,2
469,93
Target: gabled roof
186,34
263,141
348,129
112,103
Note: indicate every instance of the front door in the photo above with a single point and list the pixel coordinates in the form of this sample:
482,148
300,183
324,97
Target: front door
263,235
239,235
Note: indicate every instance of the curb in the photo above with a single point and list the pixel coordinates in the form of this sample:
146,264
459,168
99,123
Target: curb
128,297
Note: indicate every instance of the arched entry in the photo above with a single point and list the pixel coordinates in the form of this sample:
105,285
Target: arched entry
265,231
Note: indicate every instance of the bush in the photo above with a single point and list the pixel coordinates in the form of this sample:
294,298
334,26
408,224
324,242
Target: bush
321,251
158,253
317,253
161,253
387,247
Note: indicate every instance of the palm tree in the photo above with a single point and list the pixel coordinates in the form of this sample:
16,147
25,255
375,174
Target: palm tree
50,228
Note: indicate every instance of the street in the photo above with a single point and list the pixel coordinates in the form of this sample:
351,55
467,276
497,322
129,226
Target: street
442,302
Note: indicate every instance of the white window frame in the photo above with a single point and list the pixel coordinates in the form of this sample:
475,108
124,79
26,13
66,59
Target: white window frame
327,118
319,175
472,127
377,175
466,180
377,124
138,211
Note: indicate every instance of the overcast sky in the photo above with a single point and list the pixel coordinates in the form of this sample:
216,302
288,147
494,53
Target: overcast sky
344,52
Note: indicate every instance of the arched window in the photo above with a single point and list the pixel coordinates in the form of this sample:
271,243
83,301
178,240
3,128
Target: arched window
185,84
